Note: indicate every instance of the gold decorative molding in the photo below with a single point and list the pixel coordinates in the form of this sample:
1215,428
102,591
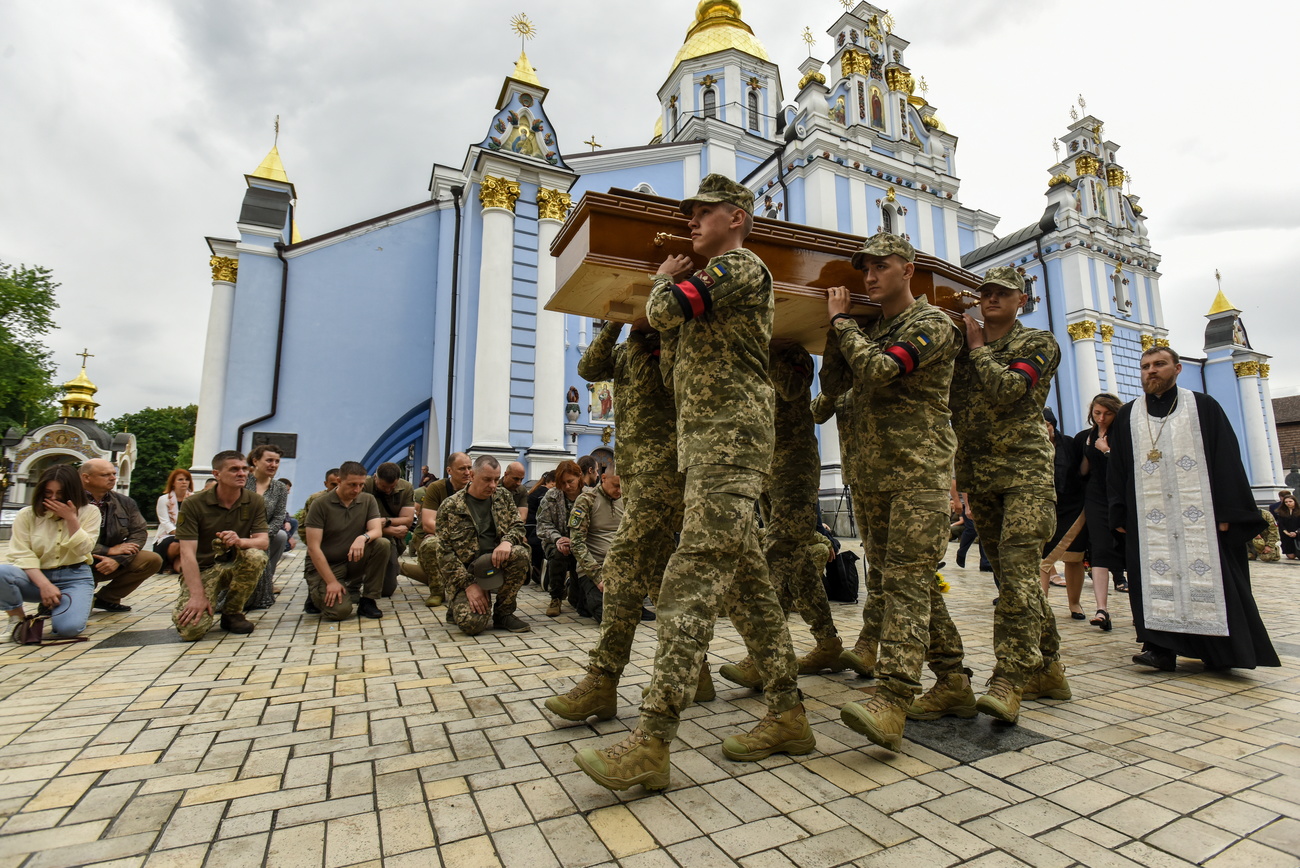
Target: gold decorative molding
889,195
498,193
1115,176
1083,330
1148,341
811,76
552,204
1137,209
1162,342
897,79
224,268
1246,369
1086,165
854,63
1107,332
1058,180
1263,370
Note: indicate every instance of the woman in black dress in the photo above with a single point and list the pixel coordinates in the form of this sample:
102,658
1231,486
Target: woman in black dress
1104,552
1070,541
1288,526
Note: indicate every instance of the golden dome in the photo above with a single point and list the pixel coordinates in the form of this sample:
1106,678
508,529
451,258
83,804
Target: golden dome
79,398
271,168
659,127
717,27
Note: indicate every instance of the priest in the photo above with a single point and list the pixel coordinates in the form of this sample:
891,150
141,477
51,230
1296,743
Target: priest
1180,498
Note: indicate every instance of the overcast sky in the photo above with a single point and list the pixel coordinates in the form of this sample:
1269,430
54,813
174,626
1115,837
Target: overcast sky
128,127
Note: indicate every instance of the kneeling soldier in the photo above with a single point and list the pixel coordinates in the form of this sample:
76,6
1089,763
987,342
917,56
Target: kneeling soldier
481,519
347,554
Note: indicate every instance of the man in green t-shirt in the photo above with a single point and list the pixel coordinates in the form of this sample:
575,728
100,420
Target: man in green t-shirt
347,553
396,501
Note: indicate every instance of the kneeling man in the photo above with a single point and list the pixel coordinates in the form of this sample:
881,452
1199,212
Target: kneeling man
481,519
347,554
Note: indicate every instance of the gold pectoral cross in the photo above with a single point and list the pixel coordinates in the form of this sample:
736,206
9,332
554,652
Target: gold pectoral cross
1154,455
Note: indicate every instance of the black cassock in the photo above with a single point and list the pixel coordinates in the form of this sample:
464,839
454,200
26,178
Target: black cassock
1247,644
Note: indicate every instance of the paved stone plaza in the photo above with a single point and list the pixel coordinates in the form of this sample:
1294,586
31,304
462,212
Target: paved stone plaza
401,743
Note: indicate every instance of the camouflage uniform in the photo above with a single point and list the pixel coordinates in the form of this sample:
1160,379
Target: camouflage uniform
716,326
458,546
899,369
236,578
1269,539
796,553
593,523
201,517
1005,464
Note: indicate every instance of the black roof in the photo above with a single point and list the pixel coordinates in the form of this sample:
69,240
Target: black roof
1045,224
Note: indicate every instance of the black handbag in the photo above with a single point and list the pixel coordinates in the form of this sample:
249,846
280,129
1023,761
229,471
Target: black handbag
841,579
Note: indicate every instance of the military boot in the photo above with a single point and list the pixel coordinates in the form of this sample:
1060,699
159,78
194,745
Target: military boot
434,599
787,732
1002,701
744,673
597,695
704,691
862,659
1047,682
638,759
880,719
827,654
949,695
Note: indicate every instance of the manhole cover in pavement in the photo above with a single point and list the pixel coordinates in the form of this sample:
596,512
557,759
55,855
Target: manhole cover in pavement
970,739
133,638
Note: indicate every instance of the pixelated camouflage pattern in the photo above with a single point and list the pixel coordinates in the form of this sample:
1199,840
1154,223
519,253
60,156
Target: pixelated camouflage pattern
458,537
717,364
883,244
430,557
585,507
719,188
1004,275
646,440
1002,442
504,600
901,419
634,566
717,565
1269,539
1014,525
237,579
905,533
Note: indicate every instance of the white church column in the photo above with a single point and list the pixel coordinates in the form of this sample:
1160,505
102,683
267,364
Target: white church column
1270,421
491,426
1110,378
1083,333
547,449
216,353
1261,459
828,438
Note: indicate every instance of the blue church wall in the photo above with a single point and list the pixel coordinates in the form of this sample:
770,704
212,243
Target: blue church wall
1126,350
467,323
333,290
1071,416
1221,382
910,219
965,239
664,178
1092,284
745,165
252,349
796,210
843,206
941,235
523,332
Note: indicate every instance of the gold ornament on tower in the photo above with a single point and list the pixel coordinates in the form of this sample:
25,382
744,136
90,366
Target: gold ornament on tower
1083,330
78,401
1148,341
553,204
498,193
1246,369
1107,332
1263,370
224,268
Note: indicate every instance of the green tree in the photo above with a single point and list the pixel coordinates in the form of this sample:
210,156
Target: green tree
27,305
159,433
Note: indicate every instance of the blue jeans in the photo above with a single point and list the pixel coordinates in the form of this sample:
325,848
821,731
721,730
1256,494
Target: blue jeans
76,582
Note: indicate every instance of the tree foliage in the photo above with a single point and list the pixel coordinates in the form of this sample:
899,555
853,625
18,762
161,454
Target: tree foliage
27,387
159,434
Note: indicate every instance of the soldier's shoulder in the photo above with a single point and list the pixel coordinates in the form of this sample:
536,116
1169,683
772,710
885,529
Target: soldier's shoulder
454,502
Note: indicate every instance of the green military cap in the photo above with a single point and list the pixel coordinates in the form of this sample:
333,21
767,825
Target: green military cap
883,244
486,576
719,188
1006,276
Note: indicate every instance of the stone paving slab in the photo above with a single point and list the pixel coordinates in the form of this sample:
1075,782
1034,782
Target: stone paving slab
400,742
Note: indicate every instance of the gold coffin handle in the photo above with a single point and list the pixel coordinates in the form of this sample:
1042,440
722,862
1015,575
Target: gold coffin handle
661,237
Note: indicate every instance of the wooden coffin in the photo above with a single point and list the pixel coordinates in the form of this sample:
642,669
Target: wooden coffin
613,243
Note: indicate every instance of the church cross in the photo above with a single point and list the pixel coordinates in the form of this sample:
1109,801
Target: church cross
85,354
594,144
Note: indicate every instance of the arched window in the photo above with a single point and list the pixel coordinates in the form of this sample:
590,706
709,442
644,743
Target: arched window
710,103
753,110
887,220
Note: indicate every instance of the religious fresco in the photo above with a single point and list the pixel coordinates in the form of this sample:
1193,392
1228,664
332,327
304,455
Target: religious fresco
601,408
521,128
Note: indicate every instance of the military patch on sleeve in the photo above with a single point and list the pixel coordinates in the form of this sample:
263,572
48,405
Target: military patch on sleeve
907,354
1031,368
575,517
693,295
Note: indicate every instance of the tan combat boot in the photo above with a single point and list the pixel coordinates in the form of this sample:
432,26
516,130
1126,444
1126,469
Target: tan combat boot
434,599
880,719
704,691
638,759
744,673
862,659
787,732
1002,701
826,654
597,695
553,610
949,695
1047,682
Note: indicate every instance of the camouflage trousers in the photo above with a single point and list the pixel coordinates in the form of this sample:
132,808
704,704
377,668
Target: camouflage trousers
1265,550
363,578
796,567
429,554
516,569
905,533
1014,526
718,563
236,578
634,565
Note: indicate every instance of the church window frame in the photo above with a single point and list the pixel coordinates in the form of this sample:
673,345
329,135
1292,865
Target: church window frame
709,103
752,105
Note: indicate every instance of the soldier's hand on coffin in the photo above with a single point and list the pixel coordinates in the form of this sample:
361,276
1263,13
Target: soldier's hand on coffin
837,301
974,332
677,266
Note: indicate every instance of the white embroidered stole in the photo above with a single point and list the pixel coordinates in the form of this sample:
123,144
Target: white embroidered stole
1182,577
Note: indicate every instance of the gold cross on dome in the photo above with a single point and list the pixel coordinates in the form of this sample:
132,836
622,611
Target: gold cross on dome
594,144
85,354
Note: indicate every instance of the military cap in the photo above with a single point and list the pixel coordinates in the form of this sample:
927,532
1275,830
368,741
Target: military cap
486,576
719,188
883,244
1049,416
1006,276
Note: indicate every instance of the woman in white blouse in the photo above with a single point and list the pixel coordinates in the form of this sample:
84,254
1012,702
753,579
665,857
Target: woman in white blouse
179,486
50,553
